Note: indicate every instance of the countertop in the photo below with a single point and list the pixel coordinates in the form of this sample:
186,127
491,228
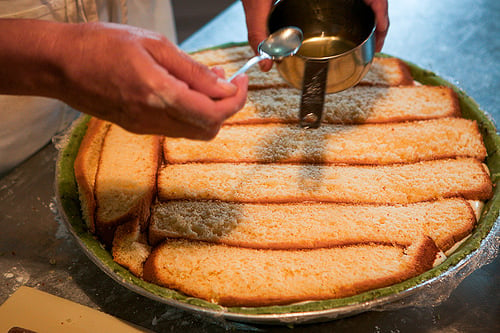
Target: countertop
456,39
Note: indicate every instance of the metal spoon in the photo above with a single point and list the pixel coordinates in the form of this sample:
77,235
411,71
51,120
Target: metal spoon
282,43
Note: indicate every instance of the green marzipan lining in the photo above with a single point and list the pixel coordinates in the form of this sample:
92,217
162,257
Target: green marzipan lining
70,202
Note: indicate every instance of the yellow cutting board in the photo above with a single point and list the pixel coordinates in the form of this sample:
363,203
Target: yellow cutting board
41,312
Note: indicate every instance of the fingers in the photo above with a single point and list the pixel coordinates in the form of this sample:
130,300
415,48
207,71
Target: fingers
380,8
196,75
229,106
219,71
158,121
189,95
201,111
380,34
198,116
256,13
202,79
266,65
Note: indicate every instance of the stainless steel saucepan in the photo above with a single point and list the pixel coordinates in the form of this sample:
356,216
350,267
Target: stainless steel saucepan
338,48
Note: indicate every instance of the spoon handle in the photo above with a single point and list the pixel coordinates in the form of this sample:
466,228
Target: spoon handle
249,64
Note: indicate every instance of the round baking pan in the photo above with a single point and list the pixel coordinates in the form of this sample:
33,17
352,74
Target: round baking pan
427,289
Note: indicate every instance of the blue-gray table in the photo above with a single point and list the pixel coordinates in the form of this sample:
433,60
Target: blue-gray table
457,39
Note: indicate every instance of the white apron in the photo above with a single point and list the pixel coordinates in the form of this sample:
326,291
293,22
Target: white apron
28,123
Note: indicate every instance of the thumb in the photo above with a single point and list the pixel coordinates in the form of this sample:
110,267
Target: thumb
199,77
256,13
184,68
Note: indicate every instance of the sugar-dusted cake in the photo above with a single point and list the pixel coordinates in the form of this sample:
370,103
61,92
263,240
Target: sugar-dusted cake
269,213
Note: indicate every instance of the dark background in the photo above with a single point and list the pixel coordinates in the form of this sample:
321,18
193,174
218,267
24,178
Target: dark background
191,15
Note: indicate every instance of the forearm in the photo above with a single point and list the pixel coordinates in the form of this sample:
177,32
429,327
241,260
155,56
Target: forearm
130,76
30,56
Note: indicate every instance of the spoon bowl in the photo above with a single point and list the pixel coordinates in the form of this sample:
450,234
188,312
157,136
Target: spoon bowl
280,44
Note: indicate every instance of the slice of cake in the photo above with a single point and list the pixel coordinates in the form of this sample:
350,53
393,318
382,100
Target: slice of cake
311,225
278,183
126,179
213,57
360,104
236,276
388,71
383,71
86,165
130,246
362,144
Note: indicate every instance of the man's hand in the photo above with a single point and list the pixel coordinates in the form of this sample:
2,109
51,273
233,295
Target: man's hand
130,76
256,13
381,10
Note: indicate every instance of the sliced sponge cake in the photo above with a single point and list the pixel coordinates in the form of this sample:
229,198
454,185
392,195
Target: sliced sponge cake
235,276
86,165
311,225
360,104
126,179
353,144
384,71
391,184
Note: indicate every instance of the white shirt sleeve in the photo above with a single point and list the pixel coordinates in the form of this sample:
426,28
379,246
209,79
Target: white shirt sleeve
156,15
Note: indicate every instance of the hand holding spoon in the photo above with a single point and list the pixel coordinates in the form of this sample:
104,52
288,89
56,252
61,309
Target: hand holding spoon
282,43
